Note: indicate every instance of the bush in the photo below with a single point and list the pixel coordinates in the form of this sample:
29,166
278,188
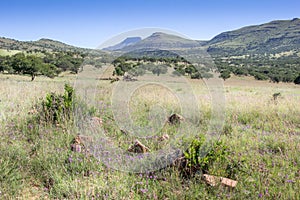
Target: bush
58,107
196,160
297,80
225,74
260,76
196,75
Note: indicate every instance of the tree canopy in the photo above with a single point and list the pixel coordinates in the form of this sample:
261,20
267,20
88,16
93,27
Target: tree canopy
49,64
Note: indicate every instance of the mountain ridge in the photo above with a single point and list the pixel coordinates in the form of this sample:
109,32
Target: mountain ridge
127,42
160,40
271,37
40,45
275,36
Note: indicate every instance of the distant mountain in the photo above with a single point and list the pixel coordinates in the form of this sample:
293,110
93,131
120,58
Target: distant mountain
53,44
273,37
127,42
39,45
161,40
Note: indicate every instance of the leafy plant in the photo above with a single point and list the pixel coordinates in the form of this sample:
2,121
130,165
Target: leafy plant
200,157
225,74
57,107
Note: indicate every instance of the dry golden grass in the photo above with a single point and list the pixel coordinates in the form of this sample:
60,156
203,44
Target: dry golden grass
18,93
260,125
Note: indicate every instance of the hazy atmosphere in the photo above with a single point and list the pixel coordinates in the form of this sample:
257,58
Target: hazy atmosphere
89,23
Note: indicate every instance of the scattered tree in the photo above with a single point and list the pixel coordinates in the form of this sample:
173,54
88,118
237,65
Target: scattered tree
297,80
225,74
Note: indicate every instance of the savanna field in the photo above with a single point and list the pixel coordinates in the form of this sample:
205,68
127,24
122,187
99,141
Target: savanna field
259,144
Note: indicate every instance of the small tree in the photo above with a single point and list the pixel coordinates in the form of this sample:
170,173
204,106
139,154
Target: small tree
225,74
159,69
49,70
196,75
297,80
32,66
2,60
260,76
18,62
64,64
137,71
275,78
118,71
190,70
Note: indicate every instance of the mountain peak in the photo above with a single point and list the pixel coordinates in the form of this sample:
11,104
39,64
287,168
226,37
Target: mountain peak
127,42
47,40
158,34
131,40
158,40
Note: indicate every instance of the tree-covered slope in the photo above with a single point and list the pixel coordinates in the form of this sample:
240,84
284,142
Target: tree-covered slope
273,37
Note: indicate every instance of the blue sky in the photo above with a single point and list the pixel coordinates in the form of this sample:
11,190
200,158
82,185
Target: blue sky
89,23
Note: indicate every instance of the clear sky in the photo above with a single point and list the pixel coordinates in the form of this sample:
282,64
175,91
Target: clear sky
88,23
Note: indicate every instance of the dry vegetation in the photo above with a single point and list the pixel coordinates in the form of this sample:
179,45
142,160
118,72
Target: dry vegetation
261,133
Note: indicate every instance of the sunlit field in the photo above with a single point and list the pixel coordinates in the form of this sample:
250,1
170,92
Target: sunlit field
261,133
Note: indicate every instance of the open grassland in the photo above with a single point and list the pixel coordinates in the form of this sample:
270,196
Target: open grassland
261,132
4,52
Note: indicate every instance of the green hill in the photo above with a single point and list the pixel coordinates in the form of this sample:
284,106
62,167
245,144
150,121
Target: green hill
269,38
273,37
39,45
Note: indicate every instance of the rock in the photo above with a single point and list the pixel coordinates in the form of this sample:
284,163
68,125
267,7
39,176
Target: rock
129,78
76,144
214,181
138,147
77,140
210,180
124,132
228,182
76,148
112,79
164,137
175,119
32,111
97,120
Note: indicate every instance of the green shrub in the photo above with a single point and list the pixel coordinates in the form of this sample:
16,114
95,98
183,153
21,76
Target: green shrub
297,80
260,76
58,107
200,156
